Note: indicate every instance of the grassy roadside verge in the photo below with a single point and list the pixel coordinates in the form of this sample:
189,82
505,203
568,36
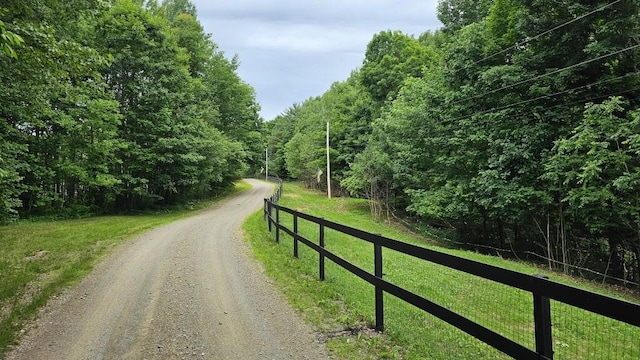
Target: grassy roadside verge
39,259
342,306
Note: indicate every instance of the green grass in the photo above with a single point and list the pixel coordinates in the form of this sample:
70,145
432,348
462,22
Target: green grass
344,301
38,259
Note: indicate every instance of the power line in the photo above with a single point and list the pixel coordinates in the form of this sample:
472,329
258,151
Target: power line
581,101
548,74
544,97
523,115
589,99
526,41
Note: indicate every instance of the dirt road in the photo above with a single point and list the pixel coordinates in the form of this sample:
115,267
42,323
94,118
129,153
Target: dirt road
187,290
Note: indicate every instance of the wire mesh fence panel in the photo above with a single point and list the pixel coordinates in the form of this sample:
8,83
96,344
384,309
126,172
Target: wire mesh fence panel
350,248
355,294
579,334
430,337
503,309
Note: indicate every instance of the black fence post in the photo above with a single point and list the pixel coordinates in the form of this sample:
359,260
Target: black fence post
269,215
277,224
542,318
320,253
295,236
264,209
377,258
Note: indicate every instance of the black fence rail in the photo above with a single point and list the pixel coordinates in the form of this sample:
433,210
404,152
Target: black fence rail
542,290
275,198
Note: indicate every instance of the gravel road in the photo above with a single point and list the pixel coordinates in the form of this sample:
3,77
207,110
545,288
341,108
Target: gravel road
188,290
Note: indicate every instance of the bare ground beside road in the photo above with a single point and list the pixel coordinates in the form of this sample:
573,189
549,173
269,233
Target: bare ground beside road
188,290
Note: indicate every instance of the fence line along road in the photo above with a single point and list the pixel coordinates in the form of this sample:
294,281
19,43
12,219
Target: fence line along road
542,290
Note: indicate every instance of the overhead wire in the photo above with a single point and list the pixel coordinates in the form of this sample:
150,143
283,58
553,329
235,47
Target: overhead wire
505,107
576,102
601,8
526,41
537,77
581,101
557,71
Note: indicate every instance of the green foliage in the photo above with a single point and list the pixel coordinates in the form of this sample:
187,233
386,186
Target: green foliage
280,130
9,180
297,138
481,127
596,171
456,14
392,57
8,40
130,107
502,21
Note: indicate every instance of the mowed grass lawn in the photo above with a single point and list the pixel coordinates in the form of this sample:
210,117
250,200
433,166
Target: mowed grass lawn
342,307
38,259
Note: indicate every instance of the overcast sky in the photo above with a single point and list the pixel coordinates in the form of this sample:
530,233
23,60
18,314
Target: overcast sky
291,50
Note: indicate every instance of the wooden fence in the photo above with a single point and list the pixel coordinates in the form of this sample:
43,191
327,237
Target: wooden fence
541,289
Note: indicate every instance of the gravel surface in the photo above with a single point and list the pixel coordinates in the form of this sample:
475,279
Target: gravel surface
188,290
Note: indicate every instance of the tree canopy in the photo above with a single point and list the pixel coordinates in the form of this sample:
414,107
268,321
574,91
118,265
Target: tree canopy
514,126
132,106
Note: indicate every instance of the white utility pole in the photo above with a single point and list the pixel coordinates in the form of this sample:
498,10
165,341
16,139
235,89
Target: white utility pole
266,164
328,165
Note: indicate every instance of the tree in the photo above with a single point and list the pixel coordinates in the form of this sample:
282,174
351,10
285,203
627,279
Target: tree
391,57
9,176
279,131
131,107
598,173
347,107
456,14
224,100
371,177
305,150
460,126
10,186
49,112
178,8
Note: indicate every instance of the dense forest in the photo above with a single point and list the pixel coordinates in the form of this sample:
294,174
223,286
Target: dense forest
515,126
111,106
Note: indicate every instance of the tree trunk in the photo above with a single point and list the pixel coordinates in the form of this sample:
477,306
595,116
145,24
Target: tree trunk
501,233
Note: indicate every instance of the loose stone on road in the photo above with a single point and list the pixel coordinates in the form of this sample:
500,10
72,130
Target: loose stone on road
187,290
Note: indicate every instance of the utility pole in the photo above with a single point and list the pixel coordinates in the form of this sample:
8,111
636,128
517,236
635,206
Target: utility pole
328,165
266,164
